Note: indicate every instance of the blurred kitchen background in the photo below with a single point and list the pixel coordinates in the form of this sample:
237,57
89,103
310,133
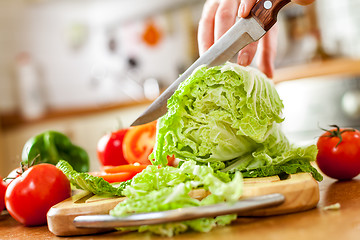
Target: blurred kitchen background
86,67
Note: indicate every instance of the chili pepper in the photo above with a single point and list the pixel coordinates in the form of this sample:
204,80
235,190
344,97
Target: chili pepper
52,146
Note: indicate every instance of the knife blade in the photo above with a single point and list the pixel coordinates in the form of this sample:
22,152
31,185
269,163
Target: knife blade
181,214
245,31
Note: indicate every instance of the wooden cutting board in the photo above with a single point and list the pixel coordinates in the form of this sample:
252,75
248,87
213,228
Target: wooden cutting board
301,193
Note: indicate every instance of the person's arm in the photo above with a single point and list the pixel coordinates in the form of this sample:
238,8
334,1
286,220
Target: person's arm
219,15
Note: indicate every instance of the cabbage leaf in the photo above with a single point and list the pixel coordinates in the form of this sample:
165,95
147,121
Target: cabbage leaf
93,184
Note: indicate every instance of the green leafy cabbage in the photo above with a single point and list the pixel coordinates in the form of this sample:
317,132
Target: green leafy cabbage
229,114
166,188
85,181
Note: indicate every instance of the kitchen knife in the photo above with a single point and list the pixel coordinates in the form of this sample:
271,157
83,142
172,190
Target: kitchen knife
181,214
246,30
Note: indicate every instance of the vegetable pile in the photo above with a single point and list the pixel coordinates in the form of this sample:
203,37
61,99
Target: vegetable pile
222,124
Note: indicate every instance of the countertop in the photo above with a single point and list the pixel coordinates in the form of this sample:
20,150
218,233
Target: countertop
317,223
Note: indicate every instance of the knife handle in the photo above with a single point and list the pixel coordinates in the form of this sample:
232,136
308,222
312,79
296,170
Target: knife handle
265,12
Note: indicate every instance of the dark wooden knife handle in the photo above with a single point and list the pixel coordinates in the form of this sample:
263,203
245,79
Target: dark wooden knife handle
266,11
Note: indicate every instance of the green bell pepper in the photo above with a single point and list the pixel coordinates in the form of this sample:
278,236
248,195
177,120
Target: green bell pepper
52,146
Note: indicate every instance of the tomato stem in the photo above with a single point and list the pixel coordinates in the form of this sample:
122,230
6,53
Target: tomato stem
337,132
28,164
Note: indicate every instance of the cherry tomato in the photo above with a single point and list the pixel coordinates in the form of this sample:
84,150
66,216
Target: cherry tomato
110,149
2,195
139,142
29,197
339,153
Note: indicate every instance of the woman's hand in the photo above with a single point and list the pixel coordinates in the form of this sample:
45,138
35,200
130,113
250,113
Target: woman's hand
219,15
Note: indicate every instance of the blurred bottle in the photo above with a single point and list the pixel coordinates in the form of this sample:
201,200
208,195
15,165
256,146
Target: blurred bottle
30,90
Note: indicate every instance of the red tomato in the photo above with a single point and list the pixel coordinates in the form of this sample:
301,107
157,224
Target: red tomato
29,197
339,153
2,195
139,142
110,150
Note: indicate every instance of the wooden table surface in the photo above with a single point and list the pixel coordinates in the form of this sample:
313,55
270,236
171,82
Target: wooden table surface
318,223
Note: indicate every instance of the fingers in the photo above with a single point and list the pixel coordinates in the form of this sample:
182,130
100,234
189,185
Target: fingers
245,7
246,55
219,15
225,17
268,44
267,53
206,26
216,19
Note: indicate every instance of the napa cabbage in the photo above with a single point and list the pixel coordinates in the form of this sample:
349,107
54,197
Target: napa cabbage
229,114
